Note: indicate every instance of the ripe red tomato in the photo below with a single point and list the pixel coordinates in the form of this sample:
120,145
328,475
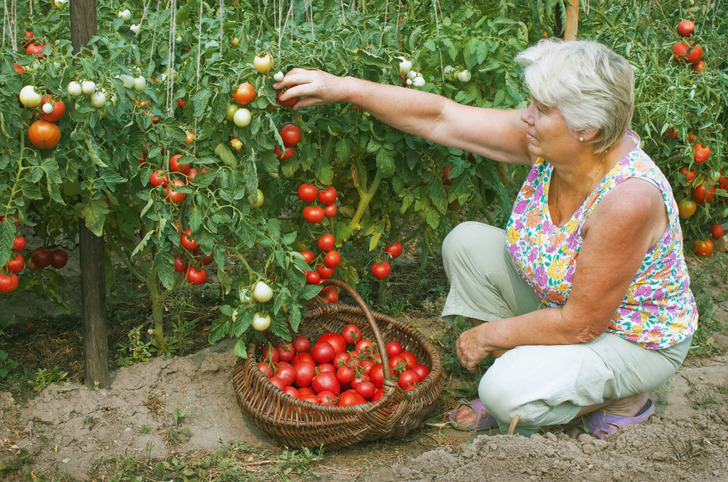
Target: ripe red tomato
342,359
366,389
18,243
179,265
269,354
41,257
326,242
188,243
301,344
703,193
376,375
410,358
421,370
313,214
394,249
351,334
363,346
701,153
286,371
286,352
685,28
59,258
330,210
16,263
307,192
303,357
408,379
695,54
670,133
716,231
332,259
326,381
328,196
59,108
381,270
723,183
345,374
327,398
34,49
304,374
158,178
8,283
698,66
349,398
286,103
44,134
245,94
266,369
325,272
393,348
679,50
175,166
308,256
195,276
703,248
330,294
313,278
398,363
175,196
689,174
278,382
322,352
287,153
335,340
291,134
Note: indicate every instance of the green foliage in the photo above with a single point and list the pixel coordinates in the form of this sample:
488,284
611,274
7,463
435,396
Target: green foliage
6,364
44,377
137,350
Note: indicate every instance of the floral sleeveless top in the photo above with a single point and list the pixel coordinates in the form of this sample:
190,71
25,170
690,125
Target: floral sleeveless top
658,310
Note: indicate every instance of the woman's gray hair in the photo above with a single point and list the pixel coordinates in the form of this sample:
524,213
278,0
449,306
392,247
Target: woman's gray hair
592,86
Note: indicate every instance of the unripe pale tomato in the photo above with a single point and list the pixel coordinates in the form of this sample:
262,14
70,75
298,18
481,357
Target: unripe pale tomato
263,63
261,321
262,292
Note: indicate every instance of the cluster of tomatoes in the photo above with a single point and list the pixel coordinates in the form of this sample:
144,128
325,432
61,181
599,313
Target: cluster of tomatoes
43,133
331,258
688,52
39,258
193,274
339,369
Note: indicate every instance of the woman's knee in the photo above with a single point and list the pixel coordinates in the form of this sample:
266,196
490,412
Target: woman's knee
470,237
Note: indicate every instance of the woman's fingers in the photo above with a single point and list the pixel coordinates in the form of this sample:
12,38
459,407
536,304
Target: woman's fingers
312,87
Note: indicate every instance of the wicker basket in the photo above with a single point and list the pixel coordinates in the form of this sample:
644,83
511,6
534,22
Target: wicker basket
296,423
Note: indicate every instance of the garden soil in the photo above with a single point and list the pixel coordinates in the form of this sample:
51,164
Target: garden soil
182,408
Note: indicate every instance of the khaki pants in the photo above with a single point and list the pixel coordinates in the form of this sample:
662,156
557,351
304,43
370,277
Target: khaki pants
544,384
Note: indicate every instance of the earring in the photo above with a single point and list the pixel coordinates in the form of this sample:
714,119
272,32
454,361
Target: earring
581,139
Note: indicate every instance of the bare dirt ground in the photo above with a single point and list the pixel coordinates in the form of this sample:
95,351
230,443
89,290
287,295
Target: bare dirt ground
184,408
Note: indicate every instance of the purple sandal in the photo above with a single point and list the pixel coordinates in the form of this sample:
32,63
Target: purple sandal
600,423
480,423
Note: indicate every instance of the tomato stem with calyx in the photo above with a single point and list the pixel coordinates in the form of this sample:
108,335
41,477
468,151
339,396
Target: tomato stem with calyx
365,197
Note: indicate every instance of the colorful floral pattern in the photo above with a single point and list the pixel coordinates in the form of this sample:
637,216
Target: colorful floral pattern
658,310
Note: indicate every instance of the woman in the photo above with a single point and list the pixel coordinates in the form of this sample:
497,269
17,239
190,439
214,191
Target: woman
587,291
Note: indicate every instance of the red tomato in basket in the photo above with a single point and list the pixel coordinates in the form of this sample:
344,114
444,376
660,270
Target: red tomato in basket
342,359
376,374
292,391
335,340
421,370
366,389
393,348
278,382
377,394
364,345
269,354
305,392
327,398
266,369
301,343
286,371
322,352
408,379
303,357
286,352
304,374
398,363
366,365
326,381
325,367
351,334
345,374
411,359
350,397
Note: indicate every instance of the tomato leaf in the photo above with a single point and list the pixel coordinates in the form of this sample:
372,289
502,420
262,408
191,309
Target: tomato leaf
200,100
240,349
94,214
7,235
164,263
226,155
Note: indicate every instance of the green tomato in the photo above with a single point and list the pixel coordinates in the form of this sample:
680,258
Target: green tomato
262,292
261,321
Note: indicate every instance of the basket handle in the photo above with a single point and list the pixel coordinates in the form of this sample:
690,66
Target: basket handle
372,323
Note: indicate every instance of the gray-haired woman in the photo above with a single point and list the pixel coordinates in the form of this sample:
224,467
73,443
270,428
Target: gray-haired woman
586,291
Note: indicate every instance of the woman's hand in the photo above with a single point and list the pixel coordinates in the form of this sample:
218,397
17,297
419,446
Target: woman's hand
313,87
472,348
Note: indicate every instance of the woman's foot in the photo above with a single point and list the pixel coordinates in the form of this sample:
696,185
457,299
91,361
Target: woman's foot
615,414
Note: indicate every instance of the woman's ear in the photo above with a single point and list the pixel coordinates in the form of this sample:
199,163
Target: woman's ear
588,135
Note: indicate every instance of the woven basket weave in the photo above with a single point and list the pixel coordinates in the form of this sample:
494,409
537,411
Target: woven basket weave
296,423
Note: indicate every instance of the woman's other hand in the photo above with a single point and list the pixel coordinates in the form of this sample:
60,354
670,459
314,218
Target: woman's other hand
472,348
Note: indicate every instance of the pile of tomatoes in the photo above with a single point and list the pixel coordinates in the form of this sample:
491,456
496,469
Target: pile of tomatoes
338,369
39,258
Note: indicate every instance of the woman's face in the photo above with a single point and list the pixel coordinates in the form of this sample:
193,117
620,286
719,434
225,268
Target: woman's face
547,133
